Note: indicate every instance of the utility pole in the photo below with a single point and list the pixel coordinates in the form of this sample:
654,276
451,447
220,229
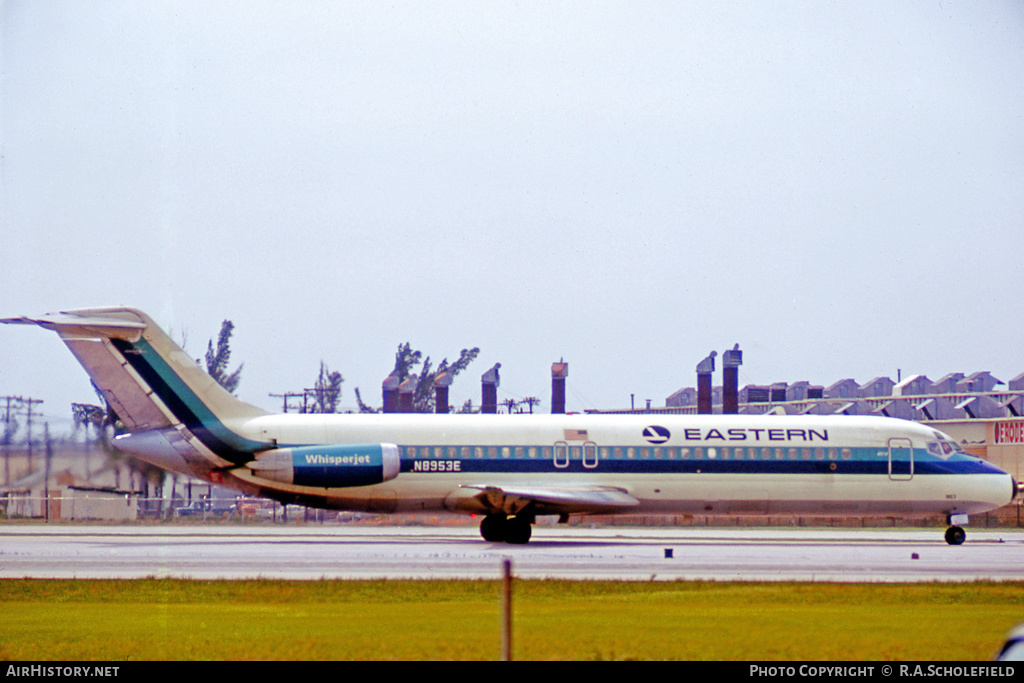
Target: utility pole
7,413
28,426
289,395
8,434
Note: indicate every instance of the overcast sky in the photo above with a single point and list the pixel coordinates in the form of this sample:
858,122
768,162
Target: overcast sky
837,187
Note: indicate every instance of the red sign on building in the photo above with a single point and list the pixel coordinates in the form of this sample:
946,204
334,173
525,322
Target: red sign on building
1010,432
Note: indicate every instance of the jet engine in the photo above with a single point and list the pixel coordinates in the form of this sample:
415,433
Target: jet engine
329,466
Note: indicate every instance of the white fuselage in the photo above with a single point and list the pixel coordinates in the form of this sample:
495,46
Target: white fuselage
730,465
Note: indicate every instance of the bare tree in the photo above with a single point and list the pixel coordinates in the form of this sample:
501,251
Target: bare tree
363,408
406,360
326,392
423,399
217,359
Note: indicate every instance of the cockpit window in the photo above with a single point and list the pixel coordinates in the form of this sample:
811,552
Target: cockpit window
945,447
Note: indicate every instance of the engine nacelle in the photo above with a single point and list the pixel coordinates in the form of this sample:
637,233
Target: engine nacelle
329,466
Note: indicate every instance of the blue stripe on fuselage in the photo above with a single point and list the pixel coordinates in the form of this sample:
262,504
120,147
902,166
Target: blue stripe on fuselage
923,466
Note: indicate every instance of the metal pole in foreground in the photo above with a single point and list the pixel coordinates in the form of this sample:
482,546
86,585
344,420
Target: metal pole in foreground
46,471
506,610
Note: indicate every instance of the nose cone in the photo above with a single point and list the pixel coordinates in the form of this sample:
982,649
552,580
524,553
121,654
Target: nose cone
991,491
1014,490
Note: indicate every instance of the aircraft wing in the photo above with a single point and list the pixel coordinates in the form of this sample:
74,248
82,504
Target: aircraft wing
546,500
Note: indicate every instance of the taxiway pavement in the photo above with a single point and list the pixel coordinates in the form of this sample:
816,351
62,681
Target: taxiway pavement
613,553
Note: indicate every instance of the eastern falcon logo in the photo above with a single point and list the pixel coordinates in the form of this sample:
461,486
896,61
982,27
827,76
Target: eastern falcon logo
656,434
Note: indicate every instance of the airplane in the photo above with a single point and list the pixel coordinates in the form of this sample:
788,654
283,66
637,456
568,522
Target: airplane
513,468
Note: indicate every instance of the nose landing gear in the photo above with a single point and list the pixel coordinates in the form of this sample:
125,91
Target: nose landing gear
955,535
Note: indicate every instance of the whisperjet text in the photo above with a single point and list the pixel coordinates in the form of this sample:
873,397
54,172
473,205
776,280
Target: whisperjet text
321,459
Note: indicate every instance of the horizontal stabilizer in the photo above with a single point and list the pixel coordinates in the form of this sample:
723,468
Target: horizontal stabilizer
79,322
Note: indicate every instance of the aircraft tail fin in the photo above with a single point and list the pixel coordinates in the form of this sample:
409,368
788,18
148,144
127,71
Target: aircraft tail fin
145,377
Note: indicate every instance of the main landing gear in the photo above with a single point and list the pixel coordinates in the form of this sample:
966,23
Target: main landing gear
501,528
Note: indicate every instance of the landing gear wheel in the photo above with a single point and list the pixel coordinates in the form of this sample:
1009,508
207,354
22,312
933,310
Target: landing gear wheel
492,528
955,535
517,530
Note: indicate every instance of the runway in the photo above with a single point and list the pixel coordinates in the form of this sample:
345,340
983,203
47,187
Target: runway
311,552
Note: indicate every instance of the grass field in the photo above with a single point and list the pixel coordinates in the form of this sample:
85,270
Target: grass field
242,620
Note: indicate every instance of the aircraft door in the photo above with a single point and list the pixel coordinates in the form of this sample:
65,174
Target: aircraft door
901,460
561,454
590,454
